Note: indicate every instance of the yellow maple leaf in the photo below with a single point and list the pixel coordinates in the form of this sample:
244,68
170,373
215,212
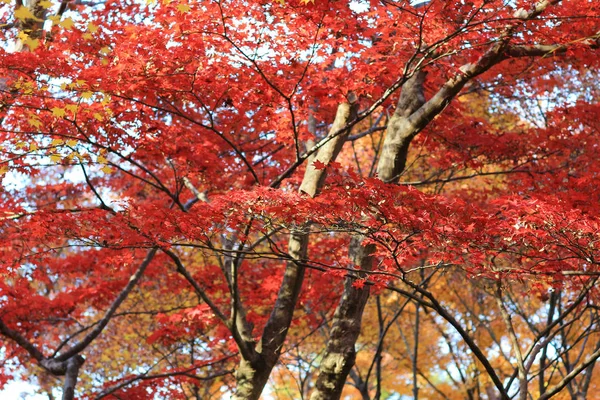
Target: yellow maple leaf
34,121
71,142
87,95
87,36
183,8
105,50
92,28
98,116
3,169
33,146
106,169
23,13
71,107
57,142
32,43
102,160
58,112
45,4
27,87
55,157
67,23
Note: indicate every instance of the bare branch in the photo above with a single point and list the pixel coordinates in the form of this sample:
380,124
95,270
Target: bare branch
133,280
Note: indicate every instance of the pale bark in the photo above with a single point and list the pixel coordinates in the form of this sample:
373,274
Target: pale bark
340,353
314,178
400,131
253,372
32,27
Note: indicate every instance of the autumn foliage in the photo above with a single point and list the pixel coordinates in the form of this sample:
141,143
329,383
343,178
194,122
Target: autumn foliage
300,199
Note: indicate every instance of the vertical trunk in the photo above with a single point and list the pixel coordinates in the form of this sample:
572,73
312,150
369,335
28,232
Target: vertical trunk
543,357
252,375
73,365
340,353
412,115
521,368
279,322
415,355
251,378
378,358
360,384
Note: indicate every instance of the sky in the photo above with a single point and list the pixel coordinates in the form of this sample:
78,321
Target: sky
19,390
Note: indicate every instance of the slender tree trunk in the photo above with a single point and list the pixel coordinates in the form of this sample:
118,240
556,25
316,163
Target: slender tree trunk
73,365
415,355
252,375
543,357
378,359
340,353
251,378
361,385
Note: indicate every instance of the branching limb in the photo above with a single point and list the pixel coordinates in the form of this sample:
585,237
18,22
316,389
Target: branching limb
133,280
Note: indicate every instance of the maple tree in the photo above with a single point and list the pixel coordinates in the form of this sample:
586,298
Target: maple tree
301,199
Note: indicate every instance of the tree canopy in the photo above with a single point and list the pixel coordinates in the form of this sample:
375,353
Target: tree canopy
306,199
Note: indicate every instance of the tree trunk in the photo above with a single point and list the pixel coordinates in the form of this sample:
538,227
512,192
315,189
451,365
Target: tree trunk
340,353
252,375
251,379
73,365
411,116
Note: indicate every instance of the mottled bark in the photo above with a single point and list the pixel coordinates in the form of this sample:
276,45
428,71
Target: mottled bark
340,353
314,178
400,130
251,378
252,375
32,27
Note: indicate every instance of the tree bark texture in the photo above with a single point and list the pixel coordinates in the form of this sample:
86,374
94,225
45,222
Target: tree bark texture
340,353
252,375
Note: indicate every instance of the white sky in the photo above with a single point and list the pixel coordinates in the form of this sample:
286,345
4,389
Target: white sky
19,390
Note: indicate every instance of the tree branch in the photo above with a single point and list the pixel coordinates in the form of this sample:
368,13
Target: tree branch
133,280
